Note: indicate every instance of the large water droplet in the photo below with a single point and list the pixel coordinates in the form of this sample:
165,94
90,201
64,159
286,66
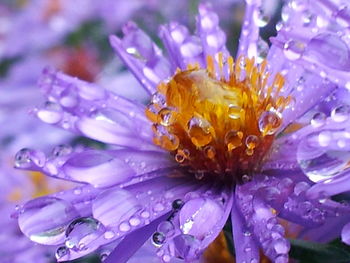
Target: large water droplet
26,158
51,113
61,252
318,119
261,19
330,50
186,247
44,219
341,113
81,233
199,216
319,157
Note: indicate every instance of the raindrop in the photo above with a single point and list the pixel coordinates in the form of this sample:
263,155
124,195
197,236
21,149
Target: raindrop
166,227
319,119
234,112
199,131
329,50
34,223
165,117
124,227
307,18
252,141
233,139
82,232
61,150
158,239
51,113
262,19
340,113
262,50
61,252
177,204
269,122
293,49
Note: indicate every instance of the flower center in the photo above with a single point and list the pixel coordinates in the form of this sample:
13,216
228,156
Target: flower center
218,124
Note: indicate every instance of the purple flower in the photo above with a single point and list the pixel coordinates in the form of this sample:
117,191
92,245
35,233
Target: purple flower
262,138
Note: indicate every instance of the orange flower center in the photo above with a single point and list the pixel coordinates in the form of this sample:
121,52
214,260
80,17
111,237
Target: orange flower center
217,124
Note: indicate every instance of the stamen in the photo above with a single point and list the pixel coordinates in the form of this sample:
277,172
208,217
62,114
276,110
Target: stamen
217,124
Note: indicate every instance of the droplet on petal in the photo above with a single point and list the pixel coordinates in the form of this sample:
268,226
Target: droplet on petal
44,220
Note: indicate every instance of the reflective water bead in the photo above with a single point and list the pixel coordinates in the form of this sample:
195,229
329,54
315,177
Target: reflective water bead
330,50
261,18
341,113
61,252
269,122
158,239
34,223
293,49
51,113
61,150
186,247
177,204
252,141
199,132
318,119
82,232
166,117
234,112
166,227
233,139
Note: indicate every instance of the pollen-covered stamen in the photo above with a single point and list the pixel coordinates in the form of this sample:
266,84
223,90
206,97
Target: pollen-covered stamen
216,123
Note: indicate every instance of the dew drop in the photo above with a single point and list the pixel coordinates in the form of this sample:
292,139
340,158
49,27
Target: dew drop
234,112
269,122
233,139
61,252
252,141
61,150
51,113
109,234
293,49
262,19
158,239
34,223
82,232
165,117
124,227
166,227
341,113
330,50
199,131
319,119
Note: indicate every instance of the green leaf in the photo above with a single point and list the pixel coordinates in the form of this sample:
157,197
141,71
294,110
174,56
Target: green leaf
311,252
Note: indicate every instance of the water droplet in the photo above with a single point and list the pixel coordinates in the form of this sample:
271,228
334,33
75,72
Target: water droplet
158,239
317,157
301,187
269,122
61,252
330,50
166,227
177,204
262,50
134,221
281,246
109,234
61,150
209,152
186,247
319,119
124,227
166,117
262,19
307,18
82,232
51,113
135,53
252,141
233,139
234,112
199,131
158,207
246,178
34,223
341,113
247,233
293,49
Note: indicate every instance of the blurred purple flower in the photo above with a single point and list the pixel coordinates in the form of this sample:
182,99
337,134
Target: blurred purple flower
250,139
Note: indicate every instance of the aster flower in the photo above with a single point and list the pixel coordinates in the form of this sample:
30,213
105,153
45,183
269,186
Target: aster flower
248,138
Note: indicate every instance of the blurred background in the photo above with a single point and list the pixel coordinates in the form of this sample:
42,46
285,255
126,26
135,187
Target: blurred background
72,36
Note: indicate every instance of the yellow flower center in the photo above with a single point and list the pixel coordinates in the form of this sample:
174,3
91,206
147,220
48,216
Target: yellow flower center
216,123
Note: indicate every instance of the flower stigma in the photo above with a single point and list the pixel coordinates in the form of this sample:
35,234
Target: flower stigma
221,120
